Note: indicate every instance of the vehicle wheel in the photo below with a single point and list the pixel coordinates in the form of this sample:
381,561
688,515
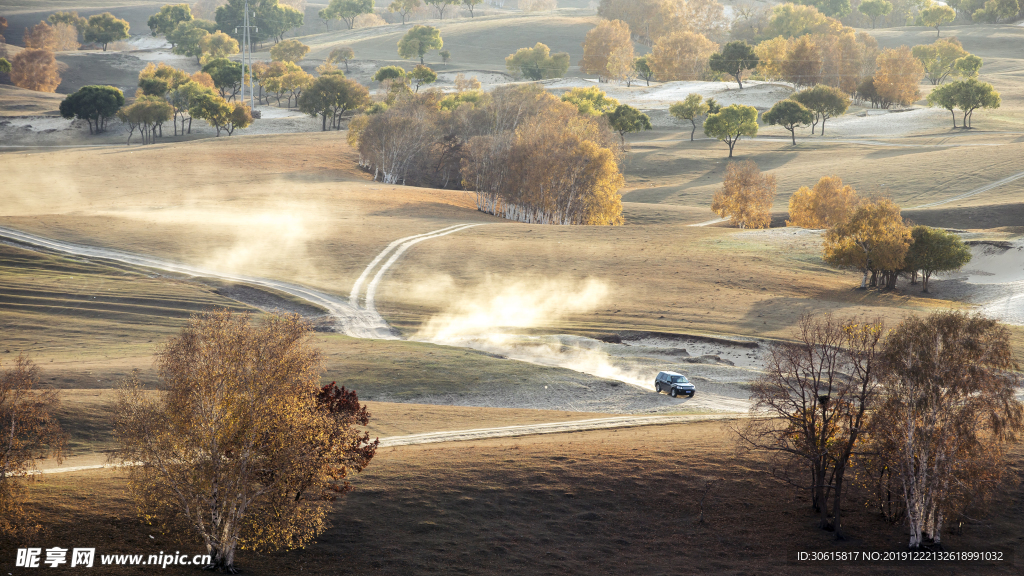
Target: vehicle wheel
673,393
657,387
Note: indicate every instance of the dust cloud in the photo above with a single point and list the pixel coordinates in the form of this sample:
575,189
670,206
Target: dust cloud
493,316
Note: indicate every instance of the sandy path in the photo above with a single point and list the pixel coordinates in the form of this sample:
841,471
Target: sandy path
502,432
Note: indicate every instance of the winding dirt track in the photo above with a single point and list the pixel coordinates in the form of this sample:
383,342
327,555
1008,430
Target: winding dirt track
502,432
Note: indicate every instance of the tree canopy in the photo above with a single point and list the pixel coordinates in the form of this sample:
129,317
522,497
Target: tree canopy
690,109
404,7
418,40
269,19
824,101
289,51
599,44
389,73
789,114
169,16
330,96
343,53
227,76
734,59
94,104
874,9
940,59
935,250
422,75
873,239
625,119
967,95
35,70
590,100
349,10
730,123
538,63
106,28
827,205
937,15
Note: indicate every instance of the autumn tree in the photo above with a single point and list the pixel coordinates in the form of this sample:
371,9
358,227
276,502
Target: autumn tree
967,95
42,36
625,119
935,250
803,63
349,10
341,53
220,45
939,58
682,56
146,114
422,75
330,96
94,104
185,95
793,20
601,41
789,114
245,449
642,65
106,28
30,433
590,100
289,51
949,414
35,70
899,75
404,7
538,63
874,239
936,15
771,55
169,16
386,73
812,403
827,205
734,59
730,123
875,9
690,109
746,195
418,41
825,102
994,11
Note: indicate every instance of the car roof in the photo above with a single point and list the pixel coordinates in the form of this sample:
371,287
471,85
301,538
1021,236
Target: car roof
670,373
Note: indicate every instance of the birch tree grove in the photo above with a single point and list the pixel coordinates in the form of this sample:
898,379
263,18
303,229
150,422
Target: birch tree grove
528,156
949,413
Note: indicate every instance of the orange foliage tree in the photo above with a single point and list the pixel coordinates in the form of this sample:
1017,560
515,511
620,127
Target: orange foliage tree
826,205
682,56
35,70
746,195
899,76
601,42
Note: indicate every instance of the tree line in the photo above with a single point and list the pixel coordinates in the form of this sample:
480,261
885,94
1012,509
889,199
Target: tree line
528,156
919,417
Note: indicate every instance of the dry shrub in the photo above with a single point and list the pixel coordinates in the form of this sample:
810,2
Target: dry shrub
368,21
35,70
65,37
462,83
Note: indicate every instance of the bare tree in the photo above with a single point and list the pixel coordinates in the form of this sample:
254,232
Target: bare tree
810,406
29,433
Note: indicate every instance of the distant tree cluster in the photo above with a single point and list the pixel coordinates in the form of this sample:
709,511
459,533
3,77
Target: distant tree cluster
528,156
538,63
920,416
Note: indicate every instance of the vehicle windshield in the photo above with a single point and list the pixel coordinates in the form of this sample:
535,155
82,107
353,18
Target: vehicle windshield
678,379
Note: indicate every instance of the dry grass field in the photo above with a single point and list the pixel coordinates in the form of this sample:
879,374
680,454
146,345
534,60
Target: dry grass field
612,502
295,207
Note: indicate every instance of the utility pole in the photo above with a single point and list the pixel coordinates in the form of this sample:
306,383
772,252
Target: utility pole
247,56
